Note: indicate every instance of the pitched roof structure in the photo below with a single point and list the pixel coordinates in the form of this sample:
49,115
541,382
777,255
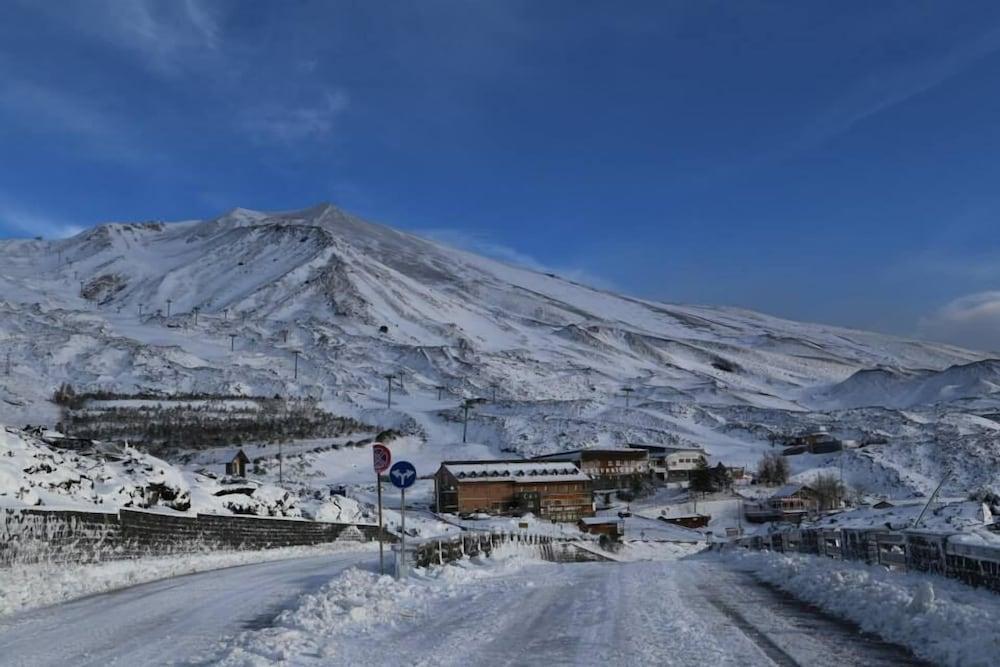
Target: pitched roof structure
526,472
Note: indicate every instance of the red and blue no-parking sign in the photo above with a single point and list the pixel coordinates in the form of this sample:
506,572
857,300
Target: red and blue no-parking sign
381,458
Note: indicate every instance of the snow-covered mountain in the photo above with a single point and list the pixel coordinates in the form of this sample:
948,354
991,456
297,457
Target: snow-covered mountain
976,383
247,291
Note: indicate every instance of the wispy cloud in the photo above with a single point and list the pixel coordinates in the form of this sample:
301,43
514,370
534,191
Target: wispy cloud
482,245
20,220
99,129
972,320
167,35
891,86
290,123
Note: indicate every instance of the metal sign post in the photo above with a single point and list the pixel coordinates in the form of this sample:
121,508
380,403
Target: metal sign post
381,457
402,475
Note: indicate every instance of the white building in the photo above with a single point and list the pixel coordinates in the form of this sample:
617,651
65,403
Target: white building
671,463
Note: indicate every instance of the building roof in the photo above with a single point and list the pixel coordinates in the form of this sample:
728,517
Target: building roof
241,455
600,520
578,454
522,472
789,490
668,449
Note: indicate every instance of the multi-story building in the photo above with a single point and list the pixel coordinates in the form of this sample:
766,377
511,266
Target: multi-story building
671,463
554,490
610,469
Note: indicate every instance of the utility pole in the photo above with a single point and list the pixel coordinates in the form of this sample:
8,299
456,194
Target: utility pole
169,301
225,314
140,310
195,310
465,417
296,353
628,392
739,516
232,342
929,501
281,461
388,397
400,375
81,288
440,389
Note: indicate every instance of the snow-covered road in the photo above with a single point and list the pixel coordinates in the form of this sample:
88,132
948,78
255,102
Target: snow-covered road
172,621
692,612
675,613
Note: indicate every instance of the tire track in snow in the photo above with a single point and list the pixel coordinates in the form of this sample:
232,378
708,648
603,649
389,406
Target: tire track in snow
763,642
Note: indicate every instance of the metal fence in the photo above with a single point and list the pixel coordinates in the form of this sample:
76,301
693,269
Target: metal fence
911,549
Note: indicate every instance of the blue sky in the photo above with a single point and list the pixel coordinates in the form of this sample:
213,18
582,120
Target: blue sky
833,162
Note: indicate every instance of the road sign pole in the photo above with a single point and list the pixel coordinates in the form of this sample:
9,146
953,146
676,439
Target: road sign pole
402,475
381,457
401,569
381,545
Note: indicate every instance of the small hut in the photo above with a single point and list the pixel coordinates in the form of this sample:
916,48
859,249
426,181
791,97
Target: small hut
238,466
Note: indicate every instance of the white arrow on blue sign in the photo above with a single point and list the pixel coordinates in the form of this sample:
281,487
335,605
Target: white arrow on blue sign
402,474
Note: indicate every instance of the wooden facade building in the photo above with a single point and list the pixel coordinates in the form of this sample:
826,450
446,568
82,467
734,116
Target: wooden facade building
610,469
553,490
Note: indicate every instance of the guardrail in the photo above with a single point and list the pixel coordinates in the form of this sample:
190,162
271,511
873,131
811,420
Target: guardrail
909,549
440,551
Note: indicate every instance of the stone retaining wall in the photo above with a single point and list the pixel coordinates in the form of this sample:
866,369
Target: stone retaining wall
33,535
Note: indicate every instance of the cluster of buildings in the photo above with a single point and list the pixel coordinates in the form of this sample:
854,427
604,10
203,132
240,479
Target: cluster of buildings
557,487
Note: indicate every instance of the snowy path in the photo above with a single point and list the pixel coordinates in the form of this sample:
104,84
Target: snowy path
678,613
172,621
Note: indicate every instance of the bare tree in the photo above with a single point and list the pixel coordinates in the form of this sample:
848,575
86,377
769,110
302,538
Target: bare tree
772,469
829,490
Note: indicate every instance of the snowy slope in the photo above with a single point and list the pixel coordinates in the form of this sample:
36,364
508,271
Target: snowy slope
247,290
108,478
977,382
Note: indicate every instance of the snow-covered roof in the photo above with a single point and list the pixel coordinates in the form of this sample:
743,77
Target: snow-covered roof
599,520
667,449
516,471
789,490
578,454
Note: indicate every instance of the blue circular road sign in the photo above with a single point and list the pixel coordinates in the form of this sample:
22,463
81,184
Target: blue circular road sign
402,474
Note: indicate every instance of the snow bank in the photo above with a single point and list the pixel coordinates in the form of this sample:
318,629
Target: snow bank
341,509
940,620
27,586
353,606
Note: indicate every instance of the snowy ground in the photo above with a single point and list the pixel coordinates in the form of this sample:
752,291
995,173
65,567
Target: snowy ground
940,620
28,586
523,612
166,622
509,610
